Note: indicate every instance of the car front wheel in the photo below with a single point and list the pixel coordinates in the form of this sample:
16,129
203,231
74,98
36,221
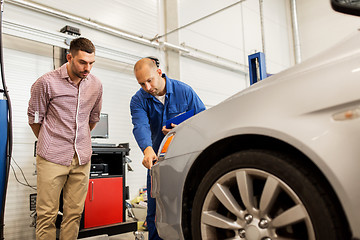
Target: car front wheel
264,195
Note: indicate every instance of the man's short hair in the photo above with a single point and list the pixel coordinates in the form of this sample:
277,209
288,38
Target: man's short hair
81,44
155,60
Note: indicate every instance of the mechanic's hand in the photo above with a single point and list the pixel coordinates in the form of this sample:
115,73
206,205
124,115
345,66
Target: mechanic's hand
166,130
149,157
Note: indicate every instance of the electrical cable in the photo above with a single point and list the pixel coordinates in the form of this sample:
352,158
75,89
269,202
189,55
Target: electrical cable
9,132
262,25
27,184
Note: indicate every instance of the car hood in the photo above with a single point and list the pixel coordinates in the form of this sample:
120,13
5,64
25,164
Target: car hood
281,105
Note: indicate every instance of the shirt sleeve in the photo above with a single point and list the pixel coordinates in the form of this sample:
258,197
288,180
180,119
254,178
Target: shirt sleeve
195,102
38,102
140,120
95,112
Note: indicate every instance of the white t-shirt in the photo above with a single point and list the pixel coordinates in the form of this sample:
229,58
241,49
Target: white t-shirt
161,98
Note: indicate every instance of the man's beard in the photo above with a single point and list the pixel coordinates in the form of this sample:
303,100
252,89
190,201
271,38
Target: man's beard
81,76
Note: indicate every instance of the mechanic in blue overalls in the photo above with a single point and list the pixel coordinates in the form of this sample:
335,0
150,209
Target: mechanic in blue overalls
159,99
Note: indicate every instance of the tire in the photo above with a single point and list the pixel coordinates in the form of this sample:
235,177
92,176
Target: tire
259,194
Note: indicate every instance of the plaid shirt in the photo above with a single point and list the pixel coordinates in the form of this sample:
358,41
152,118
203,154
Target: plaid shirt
64,111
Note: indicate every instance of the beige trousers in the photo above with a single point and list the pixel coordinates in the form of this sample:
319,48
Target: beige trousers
51,179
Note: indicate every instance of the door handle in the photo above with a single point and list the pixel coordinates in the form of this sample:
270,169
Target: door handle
92,191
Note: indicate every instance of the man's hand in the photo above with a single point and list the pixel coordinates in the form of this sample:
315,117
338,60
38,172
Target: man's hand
92,126
149,157
36,129
166,130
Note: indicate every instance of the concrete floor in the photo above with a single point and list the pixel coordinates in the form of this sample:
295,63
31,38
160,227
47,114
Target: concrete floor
124,236
128,236
140,214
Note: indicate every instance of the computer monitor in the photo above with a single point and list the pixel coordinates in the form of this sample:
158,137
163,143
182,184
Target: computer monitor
101,129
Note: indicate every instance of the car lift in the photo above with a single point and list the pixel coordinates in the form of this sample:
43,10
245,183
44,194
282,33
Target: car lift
257,67
5,135
3,159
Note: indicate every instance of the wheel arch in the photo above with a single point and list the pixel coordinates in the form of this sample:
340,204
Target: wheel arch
228,146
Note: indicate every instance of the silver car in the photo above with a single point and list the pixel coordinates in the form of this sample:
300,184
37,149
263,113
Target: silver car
279,160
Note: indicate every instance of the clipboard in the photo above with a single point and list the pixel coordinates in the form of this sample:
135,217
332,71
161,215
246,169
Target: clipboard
180,118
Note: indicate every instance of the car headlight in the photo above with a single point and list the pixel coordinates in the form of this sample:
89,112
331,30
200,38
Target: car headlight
165,145
349,114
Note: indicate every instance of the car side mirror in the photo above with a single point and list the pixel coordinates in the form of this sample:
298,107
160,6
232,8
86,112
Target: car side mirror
351,7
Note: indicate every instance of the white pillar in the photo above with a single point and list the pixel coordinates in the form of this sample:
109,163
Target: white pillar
171,22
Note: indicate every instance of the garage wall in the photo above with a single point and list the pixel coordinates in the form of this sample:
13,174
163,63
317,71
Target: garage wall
320,27
223,40
17,212
231,35
234,33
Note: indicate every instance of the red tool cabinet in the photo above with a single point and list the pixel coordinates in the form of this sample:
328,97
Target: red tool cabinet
104,202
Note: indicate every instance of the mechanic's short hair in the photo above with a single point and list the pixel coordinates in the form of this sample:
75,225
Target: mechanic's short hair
155,60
